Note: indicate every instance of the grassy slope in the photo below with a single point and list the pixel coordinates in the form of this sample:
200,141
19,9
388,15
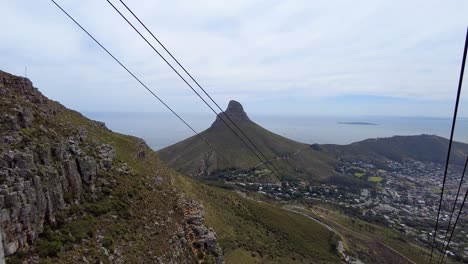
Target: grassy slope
186,155
255,232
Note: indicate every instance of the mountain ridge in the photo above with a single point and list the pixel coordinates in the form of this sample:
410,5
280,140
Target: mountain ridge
422,147
295,160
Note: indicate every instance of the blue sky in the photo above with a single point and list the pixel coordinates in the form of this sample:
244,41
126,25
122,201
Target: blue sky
282,57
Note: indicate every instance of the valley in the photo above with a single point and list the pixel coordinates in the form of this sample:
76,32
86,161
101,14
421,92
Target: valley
403,199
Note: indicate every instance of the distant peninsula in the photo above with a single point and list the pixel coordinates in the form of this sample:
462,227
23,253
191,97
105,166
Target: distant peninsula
358,123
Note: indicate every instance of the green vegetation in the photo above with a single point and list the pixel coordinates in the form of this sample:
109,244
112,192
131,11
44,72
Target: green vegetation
26,131
108,242
105,206
375,179
52,243
359,174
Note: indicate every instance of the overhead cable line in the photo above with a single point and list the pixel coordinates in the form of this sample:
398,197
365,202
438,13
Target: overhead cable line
444,252
453,208
460,82
195,81
191,87
136,78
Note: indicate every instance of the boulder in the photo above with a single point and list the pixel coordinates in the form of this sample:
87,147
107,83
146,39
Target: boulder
24,160
11,248
87,168
25,117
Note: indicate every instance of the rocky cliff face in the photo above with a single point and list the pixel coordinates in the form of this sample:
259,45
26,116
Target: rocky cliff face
40,181
42,170
58,168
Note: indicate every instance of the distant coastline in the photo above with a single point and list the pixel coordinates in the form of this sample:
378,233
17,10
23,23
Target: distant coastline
358,123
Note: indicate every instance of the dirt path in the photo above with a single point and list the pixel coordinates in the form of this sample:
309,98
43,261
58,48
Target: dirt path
366,237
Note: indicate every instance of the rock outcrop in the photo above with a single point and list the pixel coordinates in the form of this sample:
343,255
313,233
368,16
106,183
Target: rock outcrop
201,239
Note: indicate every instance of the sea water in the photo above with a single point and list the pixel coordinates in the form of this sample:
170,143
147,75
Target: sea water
160,130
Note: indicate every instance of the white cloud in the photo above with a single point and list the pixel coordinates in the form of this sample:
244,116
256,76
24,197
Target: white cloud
243,49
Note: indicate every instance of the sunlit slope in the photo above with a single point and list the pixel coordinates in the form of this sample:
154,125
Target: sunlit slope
297,160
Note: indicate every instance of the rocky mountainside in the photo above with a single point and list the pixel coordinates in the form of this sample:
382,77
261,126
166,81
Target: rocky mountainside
73,191
294,160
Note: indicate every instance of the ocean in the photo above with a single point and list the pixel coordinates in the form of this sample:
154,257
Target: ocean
160,130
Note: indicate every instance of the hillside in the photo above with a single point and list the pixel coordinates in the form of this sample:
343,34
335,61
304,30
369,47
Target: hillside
72,191
398,148
75,191
294,160
257,232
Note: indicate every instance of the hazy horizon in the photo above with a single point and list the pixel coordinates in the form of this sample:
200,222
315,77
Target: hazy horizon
208,114
161,129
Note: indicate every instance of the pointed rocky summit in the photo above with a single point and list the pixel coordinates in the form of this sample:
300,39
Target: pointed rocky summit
235,111
194,157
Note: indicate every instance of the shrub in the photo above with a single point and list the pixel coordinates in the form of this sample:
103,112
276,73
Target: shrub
48,248
82,228
200,255
334,240
106,206
108,242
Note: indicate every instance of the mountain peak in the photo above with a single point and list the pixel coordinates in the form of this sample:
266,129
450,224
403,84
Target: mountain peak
235,111
235,108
